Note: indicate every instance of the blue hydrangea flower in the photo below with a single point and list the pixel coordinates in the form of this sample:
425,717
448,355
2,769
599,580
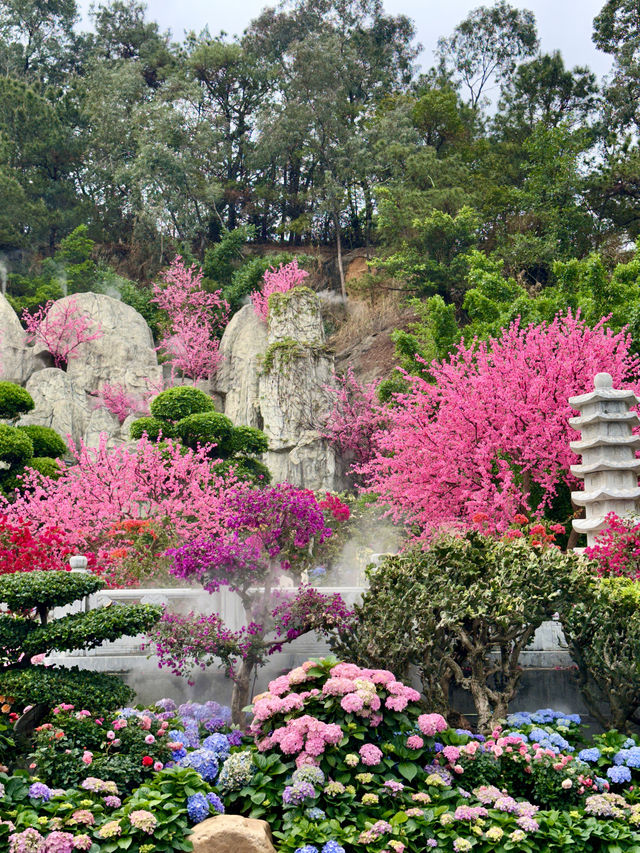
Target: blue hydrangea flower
629,743
630,757
40,791
177,754
308,848
217,743
315,813
197,807
463,732
520,718
295,794
203,762
332,847
216,802
589,755
619,775
544,715
600,783
235,737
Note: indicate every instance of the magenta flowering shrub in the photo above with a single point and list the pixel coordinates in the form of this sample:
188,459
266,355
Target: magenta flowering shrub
266,533
616,552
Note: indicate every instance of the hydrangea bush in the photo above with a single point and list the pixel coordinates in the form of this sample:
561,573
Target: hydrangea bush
346,759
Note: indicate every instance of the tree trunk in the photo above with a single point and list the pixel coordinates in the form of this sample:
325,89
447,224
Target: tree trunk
240,696
343,287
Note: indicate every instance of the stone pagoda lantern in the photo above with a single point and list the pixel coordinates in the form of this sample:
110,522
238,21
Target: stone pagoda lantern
609,465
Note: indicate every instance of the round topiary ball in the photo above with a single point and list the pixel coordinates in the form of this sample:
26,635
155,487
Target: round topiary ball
151,427
249,440
14,400
15,446
46,441
177,403
207,427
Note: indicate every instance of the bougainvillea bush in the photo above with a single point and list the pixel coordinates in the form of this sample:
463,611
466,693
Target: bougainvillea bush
345,758
269,536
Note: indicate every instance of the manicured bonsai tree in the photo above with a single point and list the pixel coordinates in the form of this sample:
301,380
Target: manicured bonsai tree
188,415
27,632
28,446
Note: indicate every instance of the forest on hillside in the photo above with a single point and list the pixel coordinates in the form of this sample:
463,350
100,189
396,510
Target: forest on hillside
496,183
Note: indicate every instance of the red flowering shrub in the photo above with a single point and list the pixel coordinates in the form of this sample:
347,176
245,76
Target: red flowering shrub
25,550
617,549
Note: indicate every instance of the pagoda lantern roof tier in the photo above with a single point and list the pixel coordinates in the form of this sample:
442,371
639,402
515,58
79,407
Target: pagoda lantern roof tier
604,417
605,494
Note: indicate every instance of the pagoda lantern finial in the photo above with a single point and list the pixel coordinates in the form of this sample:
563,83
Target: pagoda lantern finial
607,445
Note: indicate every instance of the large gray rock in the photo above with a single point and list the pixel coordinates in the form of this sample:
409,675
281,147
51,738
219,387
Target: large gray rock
17,361
242,347
232,834
59,403
123,355
274,378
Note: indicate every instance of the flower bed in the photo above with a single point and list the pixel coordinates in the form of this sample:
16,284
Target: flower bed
339,758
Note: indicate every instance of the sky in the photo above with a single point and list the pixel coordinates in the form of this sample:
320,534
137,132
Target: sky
563,25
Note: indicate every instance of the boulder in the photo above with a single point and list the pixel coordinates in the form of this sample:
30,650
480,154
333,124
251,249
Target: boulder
274,378
17,361
122,355
242,346
232,834
59,404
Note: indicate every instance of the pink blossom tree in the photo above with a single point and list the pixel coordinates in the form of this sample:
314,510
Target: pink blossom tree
172,485
355,417
115,398
280,280
268,533
489,429
62,328
194,317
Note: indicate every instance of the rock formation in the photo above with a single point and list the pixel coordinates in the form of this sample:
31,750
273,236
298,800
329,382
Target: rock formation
64,399
273,378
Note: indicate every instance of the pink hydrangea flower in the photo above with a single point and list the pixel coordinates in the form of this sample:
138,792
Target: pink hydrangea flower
431,724
415,742
351,703
370,754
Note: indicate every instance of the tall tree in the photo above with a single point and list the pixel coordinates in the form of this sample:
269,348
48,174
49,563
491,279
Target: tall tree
36,37
487,46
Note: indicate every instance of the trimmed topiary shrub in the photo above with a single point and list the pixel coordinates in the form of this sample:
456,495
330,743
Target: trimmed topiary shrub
27,631
15,447
152,428
46,441
247,439
14,400
207,427
177,403
237,447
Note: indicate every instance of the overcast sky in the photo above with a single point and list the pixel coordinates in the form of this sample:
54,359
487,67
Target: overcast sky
564,25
